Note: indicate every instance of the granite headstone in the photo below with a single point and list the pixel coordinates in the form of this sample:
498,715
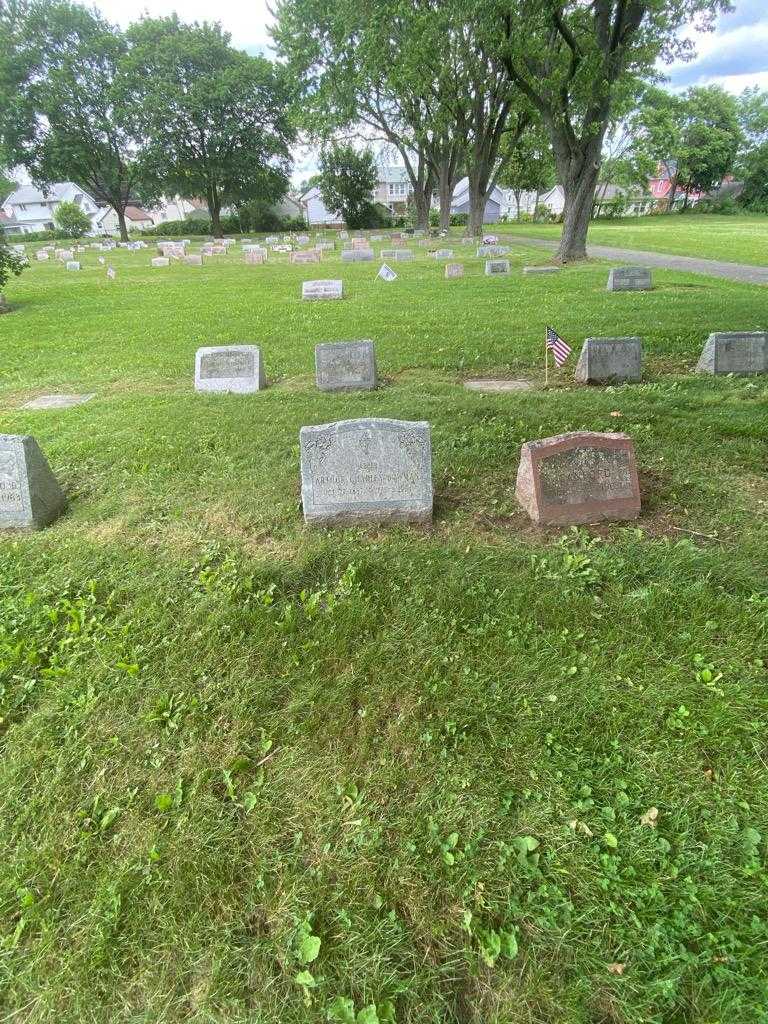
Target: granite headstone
30,496
234,368
735,352
345,366
610,361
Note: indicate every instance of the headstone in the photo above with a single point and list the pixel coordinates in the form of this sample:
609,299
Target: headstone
398,255
30,496
454,270
444,254
739,353
490,239
310,256
255,256
357,255
491,250
73,264
343,235
345,366
325,246
42,256
541,270
271,239
57,401
321,289
366,470
629,279
302,239
160,261
580,477
65,255
610,361
496,267
235,368
194,260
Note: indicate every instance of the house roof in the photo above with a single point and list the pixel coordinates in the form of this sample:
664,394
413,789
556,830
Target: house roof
462,189
29,194
393,174
136,213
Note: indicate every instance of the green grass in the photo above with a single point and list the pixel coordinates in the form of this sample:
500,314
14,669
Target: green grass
225,736
737,239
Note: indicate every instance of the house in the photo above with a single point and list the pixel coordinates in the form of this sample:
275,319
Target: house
393,188
661,184
315,210
106,223
177,208
8,225
528,201
493,204
290,208
605,195
33,209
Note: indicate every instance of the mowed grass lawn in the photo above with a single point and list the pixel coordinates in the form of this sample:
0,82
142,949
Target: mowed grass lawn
478,773
736,239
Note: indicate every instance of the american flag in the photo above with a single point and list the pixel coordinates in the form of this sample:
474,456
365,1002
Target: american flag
559,348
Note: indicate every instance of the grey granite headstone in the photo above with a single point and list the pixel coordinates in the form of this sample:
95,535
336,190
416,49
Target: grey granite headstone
492,250
345,366
357,255
629,279
398,255
367,470
454,270
496,267
737,352
73,264
331,289
610,361
444,254
30,496
235,368
57,401
160,261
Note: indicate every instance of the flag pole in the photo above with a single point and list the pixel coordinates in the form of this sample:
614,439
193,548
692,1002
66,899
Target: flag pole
546,360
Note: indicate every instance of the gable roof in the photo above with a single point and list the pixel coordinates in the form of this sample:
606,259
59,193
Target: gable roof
462,191
30,194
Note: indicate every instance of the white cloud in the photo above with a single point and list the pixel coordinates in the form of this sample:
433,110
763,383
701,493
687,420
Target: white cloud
248,22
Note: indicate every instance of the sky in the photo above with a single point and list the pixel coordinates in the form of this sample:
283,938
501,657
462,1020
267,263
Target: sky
734,56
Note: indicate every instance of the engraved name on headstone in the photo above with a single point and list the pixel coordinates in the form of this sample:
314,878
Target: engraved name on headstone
735,352
496,267
367,470
454,270
235,368
30,496
610,361
331,289
629,279
580,477
345,366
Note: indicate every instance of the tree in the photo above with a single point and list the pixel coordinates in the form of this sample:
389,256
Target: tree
72,115
10,263
531,167
7,185
755,171
579,65
709,139
347,179
215,119
71,220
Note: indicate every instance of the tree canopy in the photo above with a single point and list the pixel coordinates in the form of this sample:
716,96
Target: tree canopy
347,179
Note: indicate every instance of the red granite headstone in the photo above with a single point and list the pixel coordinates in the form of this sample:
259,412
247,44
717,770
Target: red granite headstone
581,477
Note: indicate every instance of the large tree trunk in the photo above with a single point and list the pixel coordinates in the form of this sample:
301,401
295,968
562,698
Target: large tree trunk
518,196
215,212
579,168
421,200
122,225
446,197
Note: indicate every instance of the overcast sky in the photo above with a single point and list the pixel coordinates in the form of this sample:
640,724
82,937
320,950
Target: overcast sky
734,56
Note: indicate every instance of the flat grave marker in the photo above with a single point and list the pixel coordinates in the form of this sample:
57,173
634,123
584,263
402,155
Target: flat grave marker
366,470
58,401
160,261
541,270
493,387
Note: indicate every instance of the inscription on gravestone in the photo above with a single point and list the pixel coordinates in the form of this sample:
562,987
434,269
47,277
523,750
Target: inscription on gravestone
629,279
497,267
454,270
581,477
330,289
610,361
367,470
30,496
735,352
345,366
235,368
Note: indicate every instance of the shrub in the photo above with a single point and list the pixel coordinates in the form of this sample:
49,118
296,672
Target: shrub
10,263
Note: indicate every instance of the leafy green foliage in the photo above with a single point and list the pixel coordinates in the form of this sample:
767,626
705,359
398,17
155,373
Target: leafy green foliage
215,118
347,180
11,263
71,220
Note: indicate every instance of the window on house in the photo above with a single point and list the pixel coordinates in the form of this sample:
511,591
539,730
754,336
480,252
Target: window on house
397,189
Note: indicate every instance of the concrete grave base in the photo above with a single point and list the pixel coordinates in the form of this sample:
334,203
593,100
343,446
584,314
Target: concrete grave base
492,387
58,401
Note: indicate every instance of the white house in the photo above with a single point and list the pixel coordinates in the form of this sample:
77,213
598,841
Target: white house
493,204
509,203
106,223
393,188
176,208
316,211
32,209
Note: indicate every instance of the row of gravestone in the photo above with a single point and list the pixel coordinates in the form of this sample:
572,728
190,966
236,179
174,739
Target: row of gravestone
380,471
351,365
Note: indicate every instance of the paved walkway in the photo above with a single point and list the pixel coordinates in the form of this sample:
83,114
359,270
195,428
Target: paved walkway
714,268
